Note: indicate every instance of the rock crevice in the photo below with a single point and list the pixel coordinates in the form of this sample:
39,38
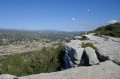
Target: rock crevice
78,56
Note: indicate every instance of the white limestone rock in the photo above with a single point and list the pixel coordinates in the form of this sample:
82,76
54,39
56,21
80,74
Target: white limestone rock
7,76
107,48
77,37
73,53
91,56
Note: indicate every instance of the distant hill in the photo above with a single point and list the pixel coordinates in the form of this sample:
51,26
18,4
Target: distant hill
108,30
53,32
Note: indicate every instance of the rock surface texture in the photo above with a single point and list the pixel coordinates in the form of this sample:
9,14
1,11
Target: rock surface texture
73,53
108,47
7,76
90,52
87,62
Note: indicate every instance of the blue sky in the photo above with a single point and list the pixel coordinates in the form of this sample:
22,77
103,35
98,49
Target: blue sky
58,14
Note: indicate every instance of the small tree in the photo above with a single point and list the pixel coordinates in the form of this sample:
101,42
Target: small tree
13,65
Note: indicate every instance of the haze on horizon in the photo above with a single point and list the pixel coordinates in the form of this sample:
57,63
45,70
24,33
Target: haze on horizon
65,15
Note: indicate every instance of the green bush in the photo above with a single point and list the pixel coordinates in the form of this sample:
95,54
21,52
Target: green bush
13,65
84,45
82,33
46,60
81,39
91,31
109,30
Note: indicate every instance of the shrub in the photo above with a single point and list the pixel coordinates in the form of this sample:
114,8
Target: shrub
81,39
46,60
88,45
82,33
109,30
13,65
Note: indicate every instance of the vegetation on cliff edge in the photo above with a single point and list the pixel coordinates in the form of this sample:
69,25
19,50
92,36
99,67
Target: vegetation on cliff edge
108,30
84,45
44,61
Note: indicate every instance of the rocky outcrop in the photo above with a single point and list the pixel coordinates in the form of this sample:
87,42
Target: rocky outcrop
108,47
104,70
76,55
73,53
90,52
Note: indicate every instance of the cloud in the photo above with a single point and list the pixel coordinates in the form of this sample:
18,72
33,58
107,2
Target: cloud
73,19
112,21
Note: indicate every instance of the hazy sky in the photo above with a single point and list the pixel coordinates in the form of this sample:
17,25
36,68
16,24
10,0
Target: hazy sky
67,15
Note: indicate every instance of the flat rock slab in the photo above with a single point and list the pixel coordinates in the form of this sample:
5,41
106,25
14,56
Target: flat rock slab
107,46
110,50
106,70
7,76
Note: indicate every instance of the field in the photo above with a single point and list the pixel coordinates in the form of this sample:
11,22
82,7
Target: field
14,41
